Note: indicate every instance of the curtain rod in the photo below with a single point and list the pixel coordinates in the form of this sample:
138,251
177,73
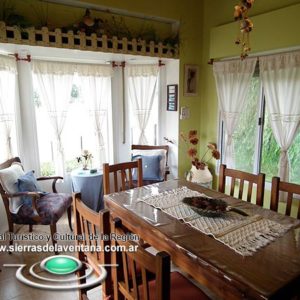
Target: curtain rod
212,60
16,55
123,63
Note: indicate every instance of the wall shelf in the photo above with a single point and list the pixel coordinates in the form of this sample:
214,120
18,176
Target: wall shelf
69,40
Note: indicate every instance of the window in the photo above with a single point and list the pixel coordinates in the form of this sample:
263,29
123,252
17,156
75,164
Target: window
256,149
245,135
82,122
8,143
143,94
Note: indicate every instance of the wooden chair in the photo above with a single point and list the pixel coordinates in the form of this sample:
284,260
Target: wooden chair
46,209
133,278
150,148
241,176
291,189
87,223
122,176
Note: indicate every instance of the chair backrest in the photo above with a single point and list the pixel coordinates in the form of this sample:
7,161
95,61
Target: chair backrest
291,189
150,147
242,177
93,227
131,277
122,176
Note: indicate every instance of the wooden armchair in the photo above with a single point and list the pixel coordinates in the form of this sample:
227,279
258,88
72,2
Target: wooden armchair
122,176
242,177
291,189
46,208
133,278
148,150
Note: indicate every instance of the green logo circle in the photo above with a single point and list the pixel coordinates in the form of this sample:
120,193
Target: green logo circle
61,264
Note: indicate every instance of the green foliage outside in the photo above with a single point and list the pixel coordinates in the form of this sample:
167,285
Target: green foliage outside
294,154
71,165
270,152
245,141
48,169
245,135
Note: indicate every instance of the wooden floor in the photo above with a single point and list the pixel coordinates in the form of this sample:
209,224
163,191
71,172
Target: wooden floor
12,289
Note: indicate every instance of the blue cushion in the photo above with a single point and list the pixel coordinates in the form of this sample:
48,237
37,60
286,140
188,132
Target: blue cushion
27,183
151,167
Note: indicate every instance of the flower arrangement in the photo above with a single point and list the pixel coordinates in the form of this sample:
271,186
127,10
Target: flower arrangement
85,158
191,141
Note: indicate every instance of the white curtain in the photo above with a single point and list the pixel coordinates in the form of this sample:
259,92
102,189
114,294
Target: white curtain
281,81
8,73
232,81
96,85
54,83
142,85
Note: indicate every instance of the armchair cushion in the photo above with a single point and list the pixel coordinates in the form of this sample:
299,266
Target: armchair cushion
8,178
50,208
27,183
151,167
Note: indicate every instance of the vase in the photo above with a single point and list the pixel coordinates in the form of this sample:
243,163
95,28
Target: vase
85,164
200,176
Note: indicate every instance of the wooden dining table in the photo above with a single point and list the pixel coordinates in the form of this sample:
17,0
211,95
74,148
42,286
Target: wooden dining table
272,272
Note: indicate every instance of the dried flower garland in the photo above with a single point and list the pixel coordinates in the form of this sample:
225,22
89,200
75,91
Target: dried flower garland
245,26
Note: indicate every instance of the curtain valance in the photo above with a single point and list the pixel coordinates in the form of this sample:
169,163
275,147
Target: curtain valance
142,70
279,61
8,64
62,68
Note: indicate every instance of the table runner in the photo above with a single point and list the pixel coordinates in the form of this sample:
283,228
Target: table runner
244,234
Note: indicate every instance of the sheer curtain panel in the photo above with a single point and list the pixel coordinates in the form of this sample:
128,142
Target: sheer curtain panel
232,82
281,81
96,83
142,89
54,83
8,73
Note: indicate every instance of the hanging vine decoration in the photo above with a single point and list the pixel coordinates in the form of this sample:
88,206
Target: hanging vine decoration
245,26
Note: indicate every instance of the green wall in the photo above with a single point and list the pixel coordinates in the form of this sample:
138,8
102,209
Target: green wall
218,39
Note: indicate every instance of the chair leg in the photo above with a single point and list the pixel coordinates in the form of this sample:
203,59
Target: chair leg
30,228
69,211
82,293
53,231
11,231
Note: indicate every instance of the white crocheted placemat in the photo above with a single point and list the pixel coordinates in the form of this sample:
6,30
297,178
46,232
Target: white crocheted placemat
245,235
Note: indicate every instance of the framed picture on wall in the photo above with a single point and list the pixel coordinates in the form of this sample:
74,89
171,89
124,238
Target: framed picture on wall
172,95
191,80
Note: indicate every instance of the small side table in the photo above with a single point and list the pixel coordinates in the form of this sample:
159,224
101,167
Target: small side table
90,185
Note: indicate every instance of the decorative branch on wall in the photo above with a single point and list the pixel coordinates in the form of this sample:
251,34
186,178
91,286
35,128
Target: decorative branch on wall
245,26
94,34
